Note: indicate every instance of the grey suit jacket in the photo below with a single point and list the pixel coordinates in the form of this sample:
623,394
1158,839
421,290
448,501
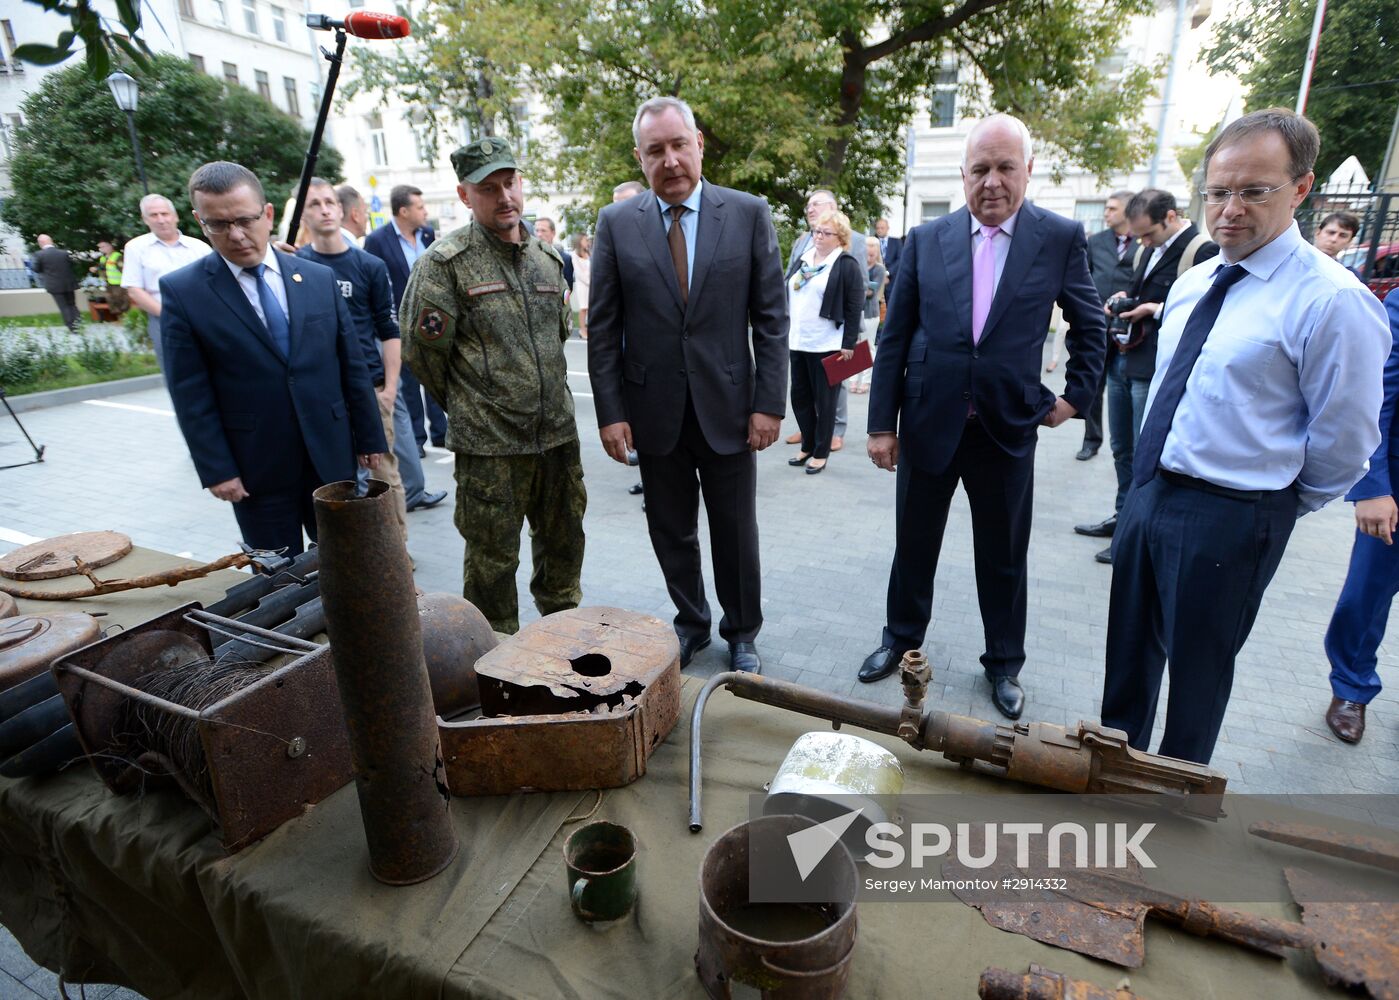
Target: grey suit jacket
725,348
55,270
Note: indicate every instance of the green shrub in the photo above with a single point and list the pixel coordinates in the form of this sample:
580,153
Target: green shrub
19,363
53,362
137,334
98,355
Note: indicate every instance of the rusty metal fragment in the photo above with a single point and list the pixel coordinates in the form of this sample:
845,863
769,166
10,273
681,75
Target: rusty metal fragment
60,556
29,643
1044,984
97,587
372,620
576,700
1377,852
1357,938
455,636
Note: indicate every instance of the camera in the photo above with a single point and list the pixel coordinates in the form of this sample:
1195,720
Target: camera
1119,328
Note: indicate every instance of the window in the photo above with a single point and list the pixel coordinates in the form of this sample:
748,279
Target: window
930,210
250,16
520,113
421,147
942,112
356,3
230,72
197,62
377,143
8,124
279,24
264,85
220,12
187,8
1090,213
15,65
293,103
316,95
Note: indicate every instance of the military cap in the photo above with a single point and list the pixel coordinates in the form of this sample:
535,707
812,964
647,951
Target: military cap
480,158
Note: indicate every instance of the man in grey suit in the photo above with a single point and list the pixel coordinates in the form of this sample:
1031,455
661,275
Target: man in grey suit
679,275
55,271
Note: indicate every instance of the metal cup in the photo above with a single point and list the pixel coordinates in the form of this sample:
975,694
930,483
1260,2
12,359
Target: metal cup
601,862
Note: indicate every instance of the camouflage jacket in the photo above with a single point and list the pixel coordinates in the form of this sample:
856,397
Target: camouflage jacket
483,325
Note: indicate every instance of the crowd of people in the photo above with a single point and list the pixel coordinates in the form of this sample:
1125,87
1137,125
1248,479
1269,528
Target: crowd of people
1243,370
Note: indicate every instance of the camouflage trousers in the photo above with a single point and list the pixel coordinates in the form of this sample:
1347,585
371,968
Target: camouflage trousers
495,495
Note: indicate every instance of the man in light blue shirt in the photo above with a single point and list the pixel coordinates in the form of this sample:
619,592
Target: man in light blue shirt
1264,406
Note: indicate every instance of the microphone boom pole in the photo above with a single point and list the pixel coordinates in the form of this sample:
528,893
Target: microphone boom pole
308,169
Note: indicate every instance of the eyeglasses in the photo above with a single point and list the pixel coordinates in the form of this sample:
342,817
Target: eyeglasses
1248,195
823,232
218,227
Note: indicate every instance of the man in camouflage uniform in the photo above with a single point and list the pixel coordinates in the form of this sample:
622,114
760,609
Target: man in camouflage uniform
484,323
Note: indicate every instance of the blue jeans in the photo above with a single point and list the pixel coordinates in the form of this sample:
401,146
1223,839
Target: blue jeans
1126,406
405,449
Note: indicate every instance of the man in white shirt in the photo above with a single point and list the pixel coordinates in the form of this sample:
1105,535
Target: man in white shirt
1264,406
151,257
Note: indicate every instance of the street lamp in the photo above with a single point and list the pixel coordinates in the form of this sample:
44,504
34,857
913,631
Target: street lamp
125,92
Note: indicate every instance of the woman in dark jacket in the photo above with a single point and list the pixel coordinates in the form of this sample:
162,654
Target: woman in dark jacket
826,299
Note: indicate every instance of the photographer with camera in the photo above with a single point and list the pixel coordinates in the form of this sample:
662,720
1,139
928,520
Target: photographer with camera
1170,246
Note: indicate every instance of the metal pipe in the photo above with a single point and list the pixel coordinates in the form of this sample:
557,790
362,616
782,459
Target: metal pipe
376,644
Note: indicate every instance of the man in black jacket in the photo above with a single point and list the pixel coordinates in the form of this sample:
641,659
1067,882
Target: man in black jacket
55,271
1170,246
1110,263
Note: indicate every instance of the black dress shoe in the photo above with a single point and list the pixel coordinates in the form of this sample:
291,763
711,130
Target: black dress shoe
812,470
880,664
799,460
1104,557
690,645
1103,529
744,656
636,490
439,442
422,452
1086,452
1007,695
429,500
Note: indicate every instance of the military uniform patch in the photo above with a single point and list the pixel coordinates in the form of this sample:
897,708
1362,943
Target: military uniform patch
486,288
432,323
546,289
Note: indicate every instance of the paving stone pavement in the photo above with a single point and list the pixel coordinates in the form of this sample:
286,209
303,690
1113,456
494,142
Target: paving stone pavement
826,541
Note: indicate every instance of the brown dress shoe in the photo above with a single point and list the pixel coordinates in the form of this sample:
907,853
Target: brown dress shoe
1346,719
837,443
794,438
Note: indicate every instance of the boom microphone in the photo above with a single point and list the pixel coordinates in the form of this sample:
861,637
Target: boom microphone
363,24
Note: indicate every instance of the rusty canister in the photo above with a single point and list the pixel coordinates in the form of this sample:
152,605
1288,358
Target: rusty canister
376,642
786,950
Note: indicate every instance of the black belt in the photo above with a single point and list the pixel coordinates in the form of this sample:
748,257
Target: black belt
1205,486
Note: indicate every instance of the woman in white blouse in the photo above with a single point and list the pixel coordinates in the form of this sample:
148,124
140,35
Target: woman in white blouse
582,276
826,299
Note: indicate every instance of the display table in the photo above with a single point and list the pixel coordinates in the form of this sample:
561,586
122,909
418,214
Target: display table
137,890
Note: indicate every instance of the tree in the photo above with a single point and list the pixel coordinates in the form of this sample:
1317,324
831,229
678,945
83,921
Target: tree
74,174
101,42
789,96
1354,91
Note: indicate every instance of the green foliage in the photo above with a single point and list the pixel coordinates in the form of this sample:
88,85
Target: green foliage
137,329
789,96
1353,92
73,172
98,355
87,27
19,363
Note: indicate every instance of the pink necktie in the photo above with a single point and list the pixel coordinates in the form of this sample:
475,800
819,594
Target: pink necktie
983,280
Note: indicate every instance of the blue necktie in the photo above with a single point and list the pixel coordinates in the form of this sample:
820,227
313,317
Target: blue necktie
275,319
1192,340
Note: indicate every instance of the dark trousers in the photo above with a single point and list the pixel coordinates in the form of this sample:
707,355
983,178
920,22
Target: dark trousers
420,402
276,520
1126,408
729,484
1000,489
1189,567
1358,623
813,402
67,308
1093,416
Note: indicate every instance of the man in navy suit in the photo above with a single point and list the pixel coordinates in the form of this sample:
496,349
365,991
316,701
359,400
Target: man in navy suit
399,245
1362,612
889,247
269,384
957,395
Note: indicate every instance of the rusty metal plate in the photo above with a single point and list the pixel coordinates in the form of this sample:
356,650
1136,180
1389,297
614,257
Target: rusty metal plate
59,556
30,643
1358,940
578,699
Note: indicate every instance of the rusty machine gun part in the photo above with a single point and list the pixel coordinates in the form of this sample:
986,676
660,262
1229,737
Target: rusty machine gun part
578,699
273,572
372,619
272,748
1087,758
788,951
1357,939
1044,984
1377,852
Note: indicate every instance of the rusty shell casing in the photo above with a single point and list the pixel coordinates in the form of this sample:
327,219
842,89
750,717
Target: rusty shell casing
1043,984
376,642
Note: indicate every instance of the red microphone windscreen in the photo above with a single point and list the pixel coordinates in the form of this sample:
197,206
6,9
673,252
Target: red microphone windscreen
372,24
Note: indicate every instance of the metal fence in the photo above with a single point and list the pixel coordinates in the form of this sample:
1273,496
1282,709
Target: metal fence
1375,252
